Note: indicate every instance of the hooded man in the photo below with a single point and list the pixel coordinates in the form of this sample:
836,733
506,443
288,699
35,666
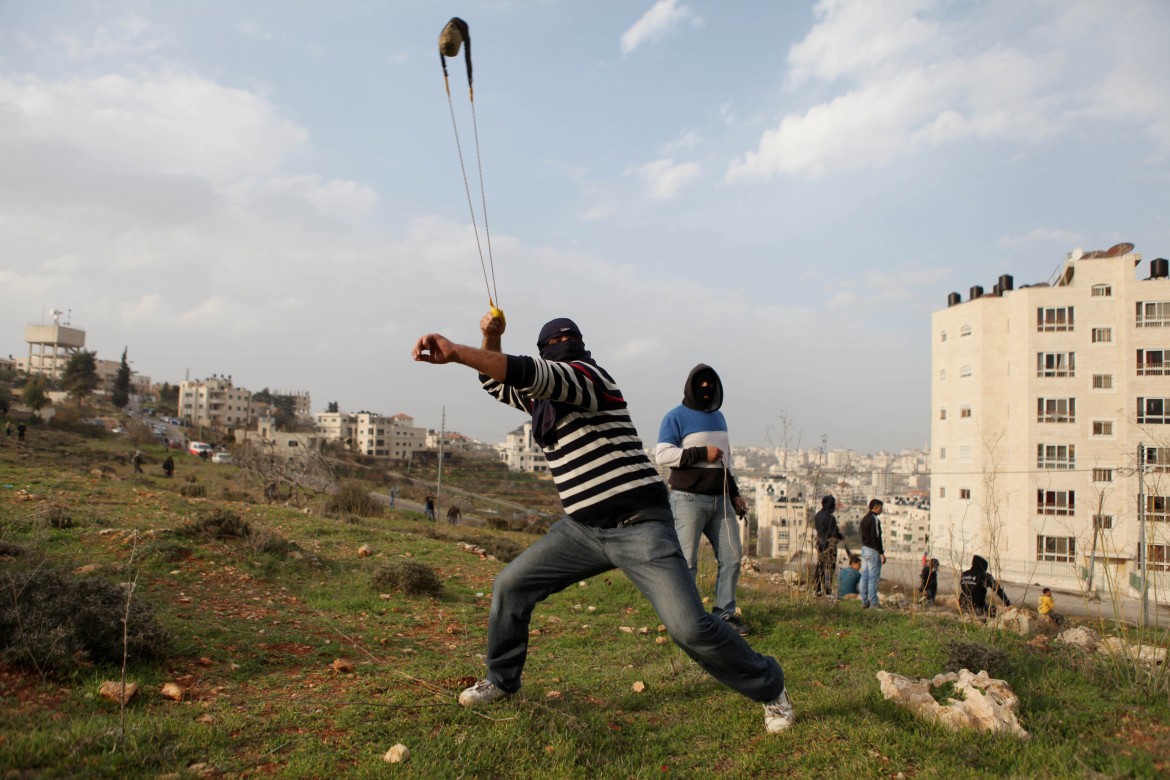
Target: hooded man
704,498
828,534
617,515
973,586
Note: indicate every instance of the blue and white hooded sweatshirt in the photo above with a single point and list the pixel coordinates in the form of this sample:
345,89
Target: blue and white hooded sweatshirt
686,432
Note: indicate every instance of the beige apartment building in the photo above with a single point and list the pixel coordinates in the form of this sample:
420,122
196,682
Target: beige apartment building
50,347
214,403
373,434
1041,398
521,452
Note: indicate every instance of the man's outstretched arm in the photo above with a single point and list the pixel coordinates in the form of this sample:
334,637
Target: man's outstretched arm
436,348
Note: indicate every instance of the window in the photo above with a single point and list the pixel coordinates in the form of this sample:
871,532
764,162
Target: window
942,453
1054,319
1102,335
1101,291
1152,362
1153,314
965,493
964,411
942,414
964,372
1158,459
964,331
965,453
1102,475
1061,549
1158,508
1056,502
942,492
1158,557
942,336
942,375
1104,522
1056,456
1057,410
1055,364
1102,427
1153,411
1102,381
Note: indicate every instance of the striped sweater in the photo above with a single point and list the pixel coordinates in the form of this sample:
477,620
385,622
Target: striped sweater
598,464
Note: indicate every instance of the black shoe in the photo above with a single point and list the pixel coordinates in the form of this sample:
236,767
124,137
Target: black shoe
737,624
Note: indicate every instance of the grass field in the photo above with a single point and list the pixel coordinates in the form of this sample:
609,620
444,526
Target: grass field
258,622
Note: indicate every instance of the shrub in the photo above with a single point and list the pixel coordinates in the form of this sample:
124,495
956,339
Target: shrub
56,517
265,542
218,524
975,657
10,550
48,620
193,491
409,577
353,498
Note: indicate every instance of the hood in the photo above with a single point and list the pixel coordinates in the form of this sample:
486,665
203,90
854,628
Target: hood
707,399
979,563
565,351
829,503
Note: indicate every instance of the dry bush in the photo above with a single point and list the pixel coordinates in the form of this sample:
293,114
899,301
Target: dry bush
56,517
218,524
353,498
270,543
409,577
242,496
975,657
50,620
193,490
10,550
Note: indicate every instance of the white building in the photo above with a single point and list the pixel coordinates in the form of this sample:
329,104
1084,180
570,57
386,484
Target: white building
373,434
521,453
51,346
784,520
1041,397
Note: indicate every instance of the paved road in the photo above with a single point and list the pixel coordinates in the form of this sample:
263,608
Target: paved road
1074,604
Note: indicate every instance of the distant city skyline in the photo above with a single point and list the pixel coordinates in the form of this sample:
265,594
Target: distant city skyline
785,191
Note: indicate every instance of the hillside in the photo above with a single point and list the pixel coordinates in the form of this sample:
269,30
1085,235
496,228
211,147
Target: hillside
292,663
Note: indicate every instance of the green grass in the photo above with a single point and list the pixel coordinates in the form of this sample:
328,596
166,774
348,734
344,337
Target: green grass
255,643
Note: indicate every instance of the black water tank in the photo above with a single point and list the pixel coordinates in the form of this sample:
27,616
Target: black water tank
995,290
954,299
1158,268
1005,283
976,292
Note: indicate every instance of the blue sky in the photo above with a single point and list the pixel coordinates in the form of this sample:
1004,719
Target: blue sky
785,191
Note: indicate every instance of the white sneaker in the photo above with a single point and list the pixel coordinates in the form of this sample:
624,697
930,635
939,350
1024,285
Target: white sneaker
779,714
483,692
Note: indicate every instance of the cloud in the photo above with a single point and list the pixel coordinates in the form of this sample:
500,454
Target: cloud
664,178
907,76
663,17
1041,235
687,141
130,35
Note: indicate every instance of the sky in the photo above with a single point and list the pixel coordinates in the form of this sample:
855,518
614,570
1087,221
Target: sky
784,191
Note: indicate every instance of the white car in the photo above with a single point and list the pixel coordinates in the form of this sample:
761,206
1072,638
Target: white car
199,447
221,457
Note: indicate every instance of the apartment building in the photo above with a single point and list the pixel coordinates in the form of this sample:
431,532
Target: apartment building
51,346
214,403
373,434
521,452
1044,400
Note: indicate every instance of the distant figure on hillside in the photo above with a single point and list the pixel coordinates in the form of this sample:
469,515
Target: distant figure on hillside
1047,607
430,507
873,555
169,466
393,496
453,514
8,428
973,586
849,580
20,429
928,582
693,441
137,461
828,534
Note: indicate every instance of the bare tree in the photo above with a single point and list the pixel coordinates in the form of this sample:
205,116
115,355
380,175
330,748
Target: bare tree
292,476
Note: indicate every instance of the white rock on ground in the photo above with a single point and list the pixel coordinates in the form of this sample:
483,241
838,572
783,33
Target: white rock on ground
987,704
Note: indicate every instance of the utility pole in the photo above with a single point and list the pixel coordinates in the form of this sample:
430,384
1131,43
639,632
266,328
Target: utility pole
439,480
1141,470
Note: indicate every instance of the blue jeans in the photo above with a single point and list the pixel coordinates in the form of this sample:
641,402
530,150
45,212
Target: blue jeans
696,516
647,553
871,575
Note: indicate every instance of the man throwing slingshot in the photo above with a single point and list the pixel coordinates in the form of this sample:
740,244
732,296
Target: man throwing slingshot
617,515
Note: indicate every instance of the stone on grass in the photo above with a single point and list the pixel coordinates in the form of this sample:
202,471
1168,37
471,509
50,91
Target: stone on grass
172,691
985,705
397,754
1081,636
113,691
364,551
1115,647
342,665
1015,619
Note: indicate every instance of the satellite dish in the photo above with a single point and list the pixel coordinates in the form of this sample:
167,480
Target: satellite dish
1119,249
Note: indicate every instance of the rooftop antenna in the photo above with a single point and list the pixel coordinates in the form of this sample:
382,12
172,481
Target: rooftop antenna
56,315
